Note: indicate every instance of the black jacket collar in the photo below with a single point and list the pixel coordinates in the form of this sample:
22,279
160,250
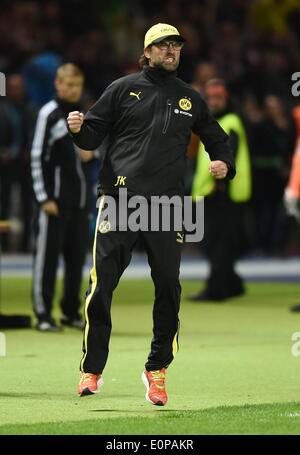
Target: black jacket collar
66,106
158,75
227,109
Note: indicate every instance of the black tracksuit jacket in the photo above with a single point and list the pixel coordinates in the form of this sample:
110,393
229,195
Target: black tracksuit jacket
147,119
56,168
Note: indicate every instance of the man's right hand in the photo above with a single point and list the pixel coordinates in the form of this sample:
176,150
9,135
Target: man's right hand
291,204
75,121
50,208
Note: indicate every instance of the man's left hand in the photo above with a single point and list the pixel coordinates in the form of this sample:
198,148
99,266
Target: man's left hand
218,169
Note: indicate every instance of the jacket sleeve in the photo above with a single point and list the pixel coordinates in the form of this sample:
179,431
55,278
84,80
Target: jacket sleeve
38,159
214,138
98,121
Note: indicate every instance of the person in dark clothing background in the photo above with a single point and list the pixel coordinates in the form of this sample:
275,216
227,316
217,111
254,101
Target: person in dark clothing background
17,118
224,234
272,146
61,192
292,190
149,117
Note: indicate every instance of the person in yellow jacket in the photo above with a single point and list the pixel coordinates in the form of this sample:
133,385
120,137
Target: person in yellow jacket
224,201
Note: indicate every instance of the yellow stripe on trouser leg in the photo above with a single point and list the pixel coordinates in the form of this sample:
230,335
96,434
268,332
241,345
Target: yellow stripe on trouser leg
93,275
175,346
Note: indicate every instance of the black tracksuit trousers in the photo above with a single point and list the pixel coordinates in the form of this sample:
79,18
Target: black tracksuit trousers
222,243
112,253
66,234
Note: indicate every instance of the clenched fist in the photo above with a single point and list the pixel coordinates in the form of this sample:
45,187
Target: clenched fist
75,121
218,169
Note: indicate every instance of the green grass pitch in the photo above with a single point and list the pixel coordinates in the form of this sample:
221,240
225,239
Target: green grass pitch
234,372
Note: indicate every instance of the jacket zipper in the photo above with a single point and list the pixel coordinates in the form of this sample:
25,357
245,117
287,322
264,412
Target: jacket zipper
168,116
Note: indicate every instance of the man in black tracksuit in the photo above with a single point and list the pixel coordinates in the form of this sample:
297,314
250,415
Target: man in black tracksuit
148,118
61,192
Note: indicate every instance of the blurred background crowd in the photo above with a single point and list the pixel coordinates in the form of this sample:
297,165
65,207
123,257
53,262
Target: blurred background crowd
253,45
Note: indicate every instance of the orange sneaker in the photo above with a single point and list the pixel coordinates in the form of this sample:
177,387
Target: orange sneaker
89,383
155,385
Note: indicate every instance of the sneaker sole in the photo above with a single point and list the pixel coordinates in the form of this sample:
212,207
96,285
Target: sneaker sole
87,391
59,330
146,383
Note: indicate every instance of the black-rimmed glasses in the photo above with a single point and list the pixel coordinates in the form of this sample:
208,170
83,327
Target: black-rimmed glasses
164,45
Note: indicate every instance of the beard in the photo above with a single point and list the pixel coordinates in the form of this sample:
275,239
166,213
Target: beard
167,65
